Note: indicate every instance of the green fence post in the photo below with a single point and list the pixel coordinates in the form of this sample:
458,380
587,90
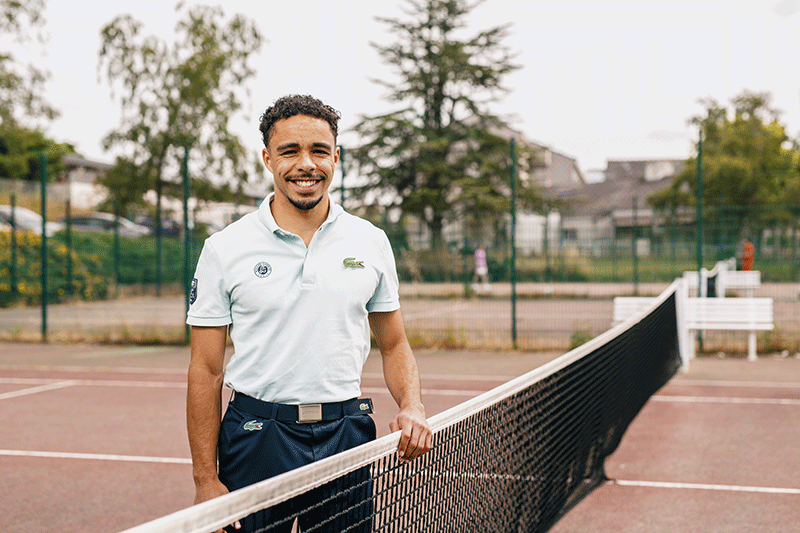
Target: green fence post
547,269
117,258
187,243
43,176
634,244
68,242
513,150
699,192
344,172
13,266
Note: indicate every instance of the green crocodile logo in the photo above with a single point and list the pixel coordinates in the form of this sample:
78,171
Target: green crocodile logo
351,262
253,425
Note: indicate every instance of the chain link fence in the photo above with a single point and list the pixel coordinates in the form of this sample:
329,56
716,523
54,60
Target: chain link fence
553,291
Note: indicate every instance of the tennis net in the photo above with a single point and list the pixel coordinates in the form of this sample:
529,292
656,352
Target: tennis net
513,459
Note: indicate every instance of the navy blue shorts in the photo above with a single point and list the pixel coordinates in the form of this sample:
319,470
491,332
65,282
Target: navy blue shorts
252,449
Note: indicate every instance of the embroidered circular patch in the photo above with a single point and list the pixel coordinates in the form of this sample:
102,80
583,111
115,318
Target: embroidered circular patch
262,269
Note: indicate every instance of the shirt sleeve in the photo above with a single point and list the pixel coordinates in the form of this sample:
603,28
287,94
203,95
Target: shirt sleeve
210,303
386,296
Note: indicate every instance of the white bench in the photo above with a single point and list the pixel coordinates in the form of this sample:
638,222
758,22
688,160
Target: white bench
726,279
739,314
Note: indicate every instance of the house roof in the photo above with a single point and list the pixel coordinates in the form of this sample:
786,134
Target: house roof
626,182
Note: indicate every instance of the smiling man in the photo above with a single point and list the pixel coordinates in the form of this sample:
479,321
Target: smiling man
298,284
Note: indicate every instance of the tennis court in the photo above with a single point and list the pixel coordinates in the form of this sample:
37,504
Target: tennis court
94,437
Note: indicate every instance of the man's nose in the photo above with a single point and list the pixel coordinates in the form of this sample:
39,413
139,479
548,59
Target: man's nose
306,162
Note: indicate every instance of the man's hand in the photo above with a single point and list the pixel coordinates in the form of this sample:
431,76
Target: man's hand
209,491
416,437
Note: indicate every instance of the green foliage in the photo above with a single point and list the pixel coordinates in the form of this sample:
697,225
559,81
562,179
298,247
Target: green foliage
20,150
137,257
747,159
89,282
178,96
21,86
442,153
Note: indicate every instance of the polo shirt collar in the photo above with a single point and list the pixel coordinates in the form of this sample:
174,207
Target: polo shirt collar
266,218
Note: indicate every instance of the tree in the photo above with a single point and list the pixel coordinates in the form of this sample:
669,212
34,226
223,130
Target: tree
176,98
21,86
20,150
441,153
747,158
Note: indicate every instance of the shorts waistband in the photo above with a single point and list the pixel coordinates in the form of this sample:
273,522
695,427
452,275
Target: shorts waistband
304,413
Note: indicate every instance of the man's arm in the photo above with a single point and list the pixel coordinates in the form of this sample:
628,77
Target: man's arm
204,408
402,378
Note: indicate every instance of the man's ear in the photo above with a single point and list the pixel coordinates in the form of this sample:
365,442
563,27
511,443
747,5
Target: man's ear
266,159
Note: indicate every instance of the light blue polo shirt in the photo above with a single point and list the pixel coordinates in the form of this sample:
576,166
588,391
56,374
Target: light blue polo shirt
298,315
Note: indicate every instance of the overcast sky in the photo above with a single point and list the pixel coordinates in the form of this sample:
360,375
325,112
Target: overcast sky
611,79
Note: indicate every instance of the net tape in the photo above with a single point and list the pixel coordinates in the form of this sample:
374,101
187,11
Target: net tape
515,458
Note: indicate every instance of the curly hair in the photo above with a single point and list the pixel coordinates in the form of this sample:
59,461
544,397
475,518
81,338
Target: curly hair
296,104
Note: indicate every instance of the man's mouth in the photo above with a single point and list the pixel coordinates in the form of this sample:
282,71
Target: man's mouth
304,182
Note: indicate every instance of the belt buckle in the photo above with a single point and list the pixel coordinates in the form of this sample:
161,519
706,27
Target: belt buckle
308,413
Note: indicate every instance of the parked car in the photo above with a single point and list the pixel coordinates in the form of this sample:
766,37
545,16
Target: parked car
169,228
105,222
27,220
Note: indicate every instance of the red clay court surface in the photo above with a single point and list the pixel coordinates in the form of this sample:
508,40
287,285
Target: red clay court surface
93,438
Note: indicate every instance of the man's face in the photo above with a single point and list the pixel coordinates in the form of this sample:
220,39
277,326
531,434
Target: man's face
301,155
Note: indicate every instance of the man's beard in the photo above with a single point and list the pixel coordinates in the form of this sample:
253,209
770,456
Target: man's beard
305,204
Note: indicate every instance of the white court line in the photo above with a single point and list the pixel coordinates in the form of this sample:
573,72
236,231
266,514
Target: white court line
114,369
49,385
712,399
36,390
428,392
756,384
96,382
704,486
434,312
97,457
448,377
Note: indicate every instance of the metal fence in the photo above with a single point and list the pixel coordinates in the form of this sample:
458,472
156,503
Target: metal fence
551,291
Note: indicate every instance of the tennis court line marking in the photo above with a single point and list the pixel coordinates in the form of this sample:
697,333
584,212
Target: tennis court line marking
448,377
36,390
434,312
47,385
97,457
756,384
428,392
718,399
51,384
704,486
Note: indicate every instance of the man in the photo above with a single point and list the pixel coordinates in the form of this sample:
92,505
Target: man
298,284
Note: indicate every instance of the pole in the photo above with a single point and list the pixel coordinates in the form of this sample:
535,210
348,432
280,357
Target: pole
43,187
344,173
68,242
13,269
634,245
513,243
187,242
699,192
699,226
117,255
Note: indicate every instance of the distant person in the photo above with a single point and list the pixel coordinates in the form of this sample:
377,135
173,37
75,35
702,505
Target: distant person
748,254
481,271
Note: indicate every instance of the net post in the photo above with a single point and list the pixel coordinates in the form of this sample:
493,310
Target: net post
685,345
